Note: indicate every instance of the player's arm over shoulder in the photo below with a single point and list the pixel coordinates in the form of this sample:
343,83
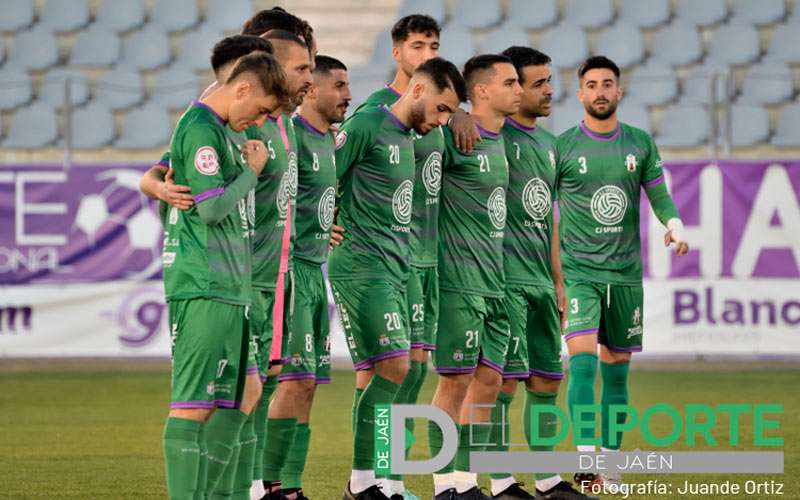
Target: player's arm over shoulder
354,138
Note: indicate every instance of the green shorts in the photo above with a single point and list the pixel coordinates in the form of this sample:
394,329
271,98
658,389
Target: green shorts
613,312
535,346
422,294
262,326
472,329
308,351
210,349
374,317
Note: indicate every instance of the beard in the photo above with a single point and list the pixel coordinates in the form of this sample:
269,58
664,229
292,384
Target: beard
418,117
602,115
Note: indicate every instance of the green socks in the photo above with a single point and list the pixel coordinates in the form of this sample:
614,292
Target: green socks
261,425
295,463
378,391
614,392
247,457
356,398
547,423
580,389
481,432
281,432
182,457
222,436
501,428
435,440
407,394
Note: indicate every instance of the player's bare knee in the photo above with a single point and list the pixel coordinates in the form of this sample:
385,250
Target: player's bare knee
253,389
196,414
363,377
488,378
614,357
540,384
419,354
509,386
581,344
394,369
274,370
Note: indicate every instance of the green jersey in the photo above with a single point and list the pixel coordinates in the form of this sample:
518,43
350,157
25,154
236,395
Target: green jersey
531,189
316,194
472,221
427,184
375,171
276,189
201,260
600,177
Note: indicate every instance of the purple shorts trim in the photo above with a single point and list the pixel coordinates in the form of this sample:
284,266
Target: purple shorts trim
209,194
619,349
252,370
263,376
456,371
655,182
429,347
547,375
296,376
493,366
418,345
370,362
323,380
219,403
578,333
515,375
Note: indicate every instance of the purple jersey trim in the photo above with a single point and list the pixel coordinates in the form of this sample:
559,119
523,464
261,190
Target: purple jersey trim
273,119
323,380
546,374
653,183
207,108
394,119
517,125
370,362
601,137
163,163
515,375
296,376
205,195
455,371
392,90
486,133
493,366
579,333
311,128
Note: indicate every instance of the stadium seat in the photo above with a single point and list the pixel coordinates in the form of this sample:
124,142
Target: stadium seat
175,15
652,84
589,13
623,43
767,83
457,44
504,37
120,88
382,50
195,48
785,43
52,90
16,85
685,126
749,125
566,44
787,133
120,15
92,127
566,116
734,43
228,15
697,84
174,88
96,46
146,127
677,44
147,48
33,126
532,14
478,13
759,12
635,115
2,50
65,15
644,13
35,49
434,8
703,13
557,84
17,14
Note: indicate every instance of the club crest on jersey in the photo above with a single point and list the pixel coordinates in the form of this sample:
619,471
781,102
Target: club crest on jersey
341,139
401,202
205,161
383,340
292,171
432,173
325,209
608,205
630,163
552,155
536,199
496,206
458,355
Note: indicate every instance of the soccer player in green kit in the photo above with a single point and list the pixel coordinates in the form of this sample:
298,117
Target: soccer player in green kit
534,284
308,347
473,333
369,270
416,40
602,167
207,272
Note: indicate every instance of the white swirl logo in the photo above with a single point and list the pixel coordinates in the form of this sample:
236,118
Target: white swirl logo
536,199
292,170
432,173
325,209
401,202
282,199
608,205
497,208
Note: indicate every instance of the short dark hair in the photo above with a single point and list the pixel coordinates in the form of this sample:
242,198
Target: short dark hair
479,64
267,71
598,62
525,56
278,19
233,47
444,74
326,64
415,23
286,36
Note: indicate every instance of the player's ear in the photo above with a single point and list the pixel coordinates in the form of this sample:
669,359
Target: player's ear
418,90
396,52
243,88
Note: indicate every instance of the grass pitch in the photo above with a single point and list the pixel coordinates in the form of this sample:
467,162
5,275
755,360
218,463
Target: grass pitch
97,435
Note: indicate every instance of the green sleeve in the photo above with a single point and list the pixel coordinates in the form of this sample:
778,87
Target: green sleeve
351,144
164,161
655,187
214,210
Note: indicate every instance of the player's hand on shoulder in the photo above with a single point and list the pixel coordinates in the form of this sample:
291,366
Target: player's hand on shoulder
175,195
465,130
255,152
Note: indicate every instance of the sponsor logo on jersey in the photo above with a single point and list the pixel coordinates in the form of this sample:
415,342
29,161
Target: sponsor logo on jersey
205,161
630,163
341,139
168,259
325,209
496,206
432,173
536,199
637,316
608,205
552,156
401,202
